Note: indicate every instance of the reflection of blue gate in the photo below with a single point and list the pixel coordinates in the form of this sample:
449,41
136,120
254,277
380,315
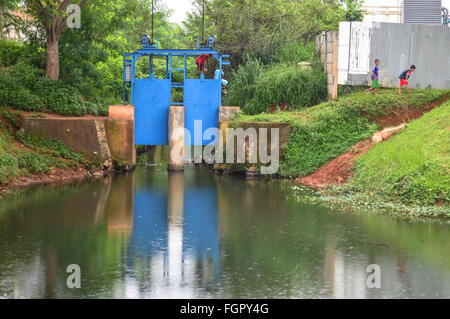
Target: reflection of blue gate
152,97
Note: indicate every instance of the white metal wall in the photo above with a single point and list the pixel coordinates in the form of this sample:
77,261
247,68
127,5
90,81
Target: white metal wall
397,46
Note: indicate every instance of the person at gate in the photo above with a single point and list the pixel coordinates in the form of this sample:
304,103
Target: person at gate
224,82
375,77
201,62
404,78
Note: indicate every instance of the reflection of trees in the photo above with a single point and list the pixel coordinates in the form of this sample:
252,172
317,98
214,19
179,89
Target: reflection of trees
429,239
67,226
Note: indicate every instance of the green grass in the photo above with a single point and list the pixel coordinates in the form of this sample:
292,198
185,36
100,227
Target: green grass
327,130
412,167
38,156
255,87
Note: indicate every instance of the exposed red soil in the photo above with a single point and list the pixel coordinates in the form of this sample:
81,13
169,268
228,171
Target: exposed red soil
407,115
339,170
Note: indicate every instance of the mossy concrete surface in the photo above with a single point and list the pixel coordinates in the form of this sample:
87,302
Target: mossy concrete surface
99,139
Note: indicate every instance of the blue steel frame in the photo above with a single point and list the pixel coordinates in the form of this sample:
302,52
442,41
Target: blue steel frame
129,59
156,131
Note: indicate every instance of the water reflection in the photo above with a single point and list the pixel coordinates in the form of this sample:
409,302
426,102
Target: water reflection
151,234
174,243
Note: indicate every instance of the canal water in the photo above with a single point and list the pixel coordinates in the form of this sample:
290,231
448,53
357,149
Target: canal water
151,234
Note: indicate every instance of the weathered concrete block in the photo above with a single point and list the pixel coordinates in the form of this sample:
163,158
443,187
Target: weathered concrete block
99,139
84,135
284,129
120,133
227,113
120,136
124,112
284,134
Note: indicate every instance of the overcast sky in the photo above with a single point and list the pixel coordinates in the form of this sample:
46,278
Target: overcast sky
180,7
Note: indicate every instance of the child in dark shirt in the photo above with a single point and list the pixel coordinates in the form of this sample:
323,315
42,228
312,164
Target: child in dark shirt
404,77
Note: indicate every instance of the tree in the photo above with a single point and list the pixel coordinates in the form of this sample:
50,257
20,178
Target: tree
354,11
91,57
52,15
259,27
7,18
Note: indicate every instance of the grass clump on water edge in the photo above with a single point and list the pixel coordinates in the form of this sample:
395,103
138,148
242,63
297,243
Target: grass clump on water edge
339,198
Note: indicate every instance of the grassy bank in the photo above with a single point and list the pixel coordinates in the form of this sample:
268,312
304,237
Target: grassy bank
325,131
25,155
412,167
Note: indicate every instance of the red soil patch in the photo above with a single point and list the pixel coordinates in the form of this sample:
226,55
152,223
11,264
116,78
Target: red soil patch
407,115
339,170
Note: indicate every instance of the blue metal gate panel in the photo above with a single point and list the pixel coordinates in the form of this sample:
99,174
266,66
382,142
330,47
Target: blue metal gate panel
151,98
201,102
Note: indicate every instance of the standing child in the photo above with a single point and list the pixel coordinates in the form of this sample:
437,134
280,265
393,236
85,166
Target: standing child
224,82
404,77
375,76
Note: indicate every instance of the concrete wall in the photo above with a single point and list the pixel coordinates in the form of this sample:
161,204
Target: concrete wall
397,46
327,45
99,139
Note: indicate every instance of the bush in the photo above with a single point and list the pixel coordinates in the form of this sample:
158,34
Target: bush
243,83
16,96
25,87
294,52
33,163
8,167
288,84
24,74
255,88
11,52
